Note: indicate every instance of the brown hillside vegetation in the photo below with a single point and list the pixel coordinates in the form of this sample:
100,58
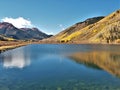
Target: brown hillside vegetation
106,30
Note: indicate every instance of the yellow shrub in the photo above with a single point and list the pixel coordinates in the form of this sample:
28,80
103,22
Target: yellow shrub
72,36
117,41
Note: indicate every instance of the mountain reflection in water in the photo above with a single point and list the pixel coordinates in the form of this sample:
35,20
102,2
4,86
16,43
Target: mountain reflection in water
108,61
16,59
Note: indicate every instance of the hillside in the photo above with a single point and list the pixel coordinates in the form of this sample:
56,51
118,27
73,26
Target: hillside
11,31
77,27
106,30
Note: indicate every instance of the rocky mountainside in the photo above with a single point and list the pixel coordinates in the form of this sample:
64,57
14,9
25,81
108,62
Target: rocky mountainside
101,30
11,31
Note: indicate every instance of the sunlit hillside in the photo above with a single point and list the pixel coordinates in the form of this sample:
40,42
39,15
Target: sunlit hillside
106,30
69,31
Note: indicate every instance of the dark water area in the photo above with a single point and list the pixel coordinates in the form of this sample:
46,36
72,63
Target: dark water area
61,67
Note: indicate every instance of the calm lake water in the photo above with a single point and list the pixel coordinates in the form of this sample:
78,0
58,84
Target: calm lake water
61,67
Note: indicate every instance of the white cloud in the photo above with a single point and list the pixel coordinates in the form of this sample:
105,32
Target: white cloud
19,22
61,26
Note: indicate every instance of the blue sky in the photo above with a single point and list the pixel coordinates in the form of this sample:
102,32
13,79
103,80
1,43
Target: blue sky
52,16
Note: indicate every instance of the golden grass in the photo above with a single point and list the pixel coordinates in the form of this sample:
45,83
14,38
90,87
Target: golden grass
117,41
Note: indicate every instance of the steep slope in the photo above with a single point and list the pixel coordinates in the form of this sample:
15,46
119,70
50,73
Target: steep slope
107,30
11,31
77,27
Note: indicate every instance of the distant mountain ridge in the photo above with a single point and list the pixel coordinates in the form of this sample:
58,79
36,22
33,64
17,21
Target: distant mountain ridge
102,30
35,33
8,30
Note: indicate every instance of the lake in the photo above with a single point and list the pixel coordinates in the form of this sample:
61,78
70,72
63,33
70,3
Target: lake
61,67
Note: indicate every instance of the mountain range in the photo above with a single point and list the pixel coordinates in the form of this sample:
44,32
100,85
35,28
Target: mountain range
102,29
94,30
8,30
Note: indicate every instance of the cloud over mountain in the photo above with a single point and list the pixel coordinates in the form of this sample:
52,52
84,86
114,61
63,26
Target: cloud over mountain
19,22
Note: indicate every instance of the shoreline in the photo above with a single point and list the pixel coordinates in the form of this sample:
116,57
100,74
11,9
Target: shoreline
5,48
5,45
88,43
15,44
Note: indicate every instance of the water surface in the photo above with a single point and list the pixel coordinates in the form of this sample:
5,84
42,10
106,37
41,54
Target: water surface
61,67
